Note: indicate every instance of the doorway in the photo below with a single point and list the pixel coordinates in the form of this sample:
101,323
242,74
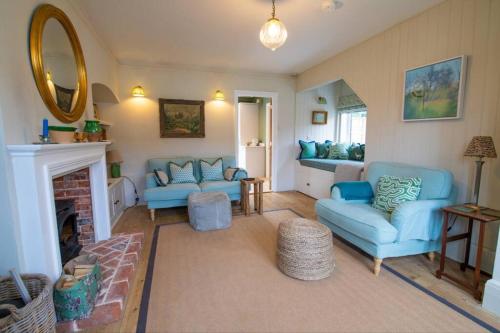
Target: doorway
255,129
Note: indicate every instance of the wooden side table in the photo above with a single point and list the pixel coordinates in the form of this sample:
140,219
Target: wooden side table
483,216
258,185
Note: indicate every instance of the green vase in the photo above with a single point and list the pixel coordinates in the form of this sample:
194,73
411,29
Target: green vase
115,170
92,126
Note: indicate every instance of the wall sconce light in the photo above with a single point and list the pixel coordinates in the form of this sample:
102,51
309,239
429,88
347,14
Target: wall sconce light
219,95
322,100
138,91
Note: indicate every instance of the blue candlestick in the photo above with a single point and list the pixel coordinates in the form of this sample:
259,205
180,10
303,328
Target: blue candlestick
45,128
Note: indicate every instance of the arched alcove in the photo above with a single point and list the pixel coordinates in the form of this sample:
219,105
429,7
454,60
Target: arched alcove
101,93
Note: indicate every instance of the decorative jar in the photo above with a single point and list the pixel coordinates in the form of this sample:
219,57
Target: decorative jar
93,130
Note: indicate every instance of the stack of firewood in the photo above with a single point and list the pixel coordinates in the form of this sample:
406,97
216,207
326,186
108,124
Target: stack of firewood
79,272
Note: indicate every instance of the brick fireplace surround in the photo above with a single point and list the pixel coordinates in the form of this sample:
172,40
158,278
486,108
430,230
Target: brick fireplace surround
76,186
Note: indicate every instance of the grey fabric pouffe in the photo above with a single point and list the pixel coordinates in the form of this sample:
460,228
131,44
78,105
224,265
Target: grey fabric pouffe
305,249
209,210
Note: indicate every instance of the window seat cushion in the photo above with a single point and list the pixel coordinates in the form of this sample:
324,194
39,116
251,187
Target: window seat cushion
326,164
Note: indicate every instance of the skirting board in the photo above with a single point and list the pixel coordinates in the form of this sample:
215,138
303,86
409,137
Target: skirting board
491,298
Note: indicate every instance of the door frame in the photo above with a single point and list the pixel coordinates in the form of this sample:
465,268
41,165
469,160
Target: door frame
274,125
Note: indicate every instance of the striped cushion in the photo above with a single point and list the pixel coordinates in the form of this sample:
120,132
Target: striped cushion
182,174
392,191
230,174
211,172
161,177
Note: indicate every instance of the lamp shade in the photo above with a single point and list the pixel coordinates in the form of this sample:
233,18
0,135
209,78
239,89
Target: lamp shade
219,95
481,146
138,91
113,156
273,34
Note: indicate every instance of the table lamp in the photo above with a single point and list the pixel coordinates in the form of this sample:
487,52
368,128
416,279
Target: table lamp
480,147
114,158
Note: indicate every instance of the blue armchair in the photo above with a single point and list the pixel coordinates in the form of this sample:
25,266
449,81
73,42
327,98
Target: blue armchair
414,227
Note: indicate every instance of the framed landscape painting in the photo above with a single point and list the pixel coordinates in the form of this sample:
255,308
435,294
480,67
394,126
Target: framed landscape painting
182,118
435,91
319,117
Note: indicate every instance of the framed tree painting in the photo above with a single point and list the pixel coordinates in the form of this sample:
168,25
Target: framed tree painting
182,118
435,91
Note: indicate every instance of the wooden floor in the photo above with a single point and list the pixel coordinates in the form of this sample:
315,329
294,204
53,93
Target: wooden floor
418,268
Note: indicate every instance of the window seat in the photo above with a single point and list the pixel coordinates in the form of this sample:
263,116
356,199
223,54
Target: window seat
327,164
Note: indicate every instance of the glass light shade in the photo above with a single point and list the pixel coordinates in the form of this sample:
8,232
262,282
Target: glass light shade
138,91
219,95
273,34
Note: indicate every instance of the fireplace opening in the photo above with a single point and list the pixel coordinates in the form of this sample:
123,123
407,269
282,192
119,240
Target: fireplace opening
67,227
73,201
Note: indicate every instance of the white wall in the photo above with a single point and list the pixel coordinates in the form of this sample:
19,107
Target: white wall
22,108
249,122
306,103
8,244
136,128
375,68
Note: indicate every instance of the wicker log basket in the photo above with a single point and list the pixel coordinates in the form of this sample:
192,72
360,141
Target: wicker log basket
38,316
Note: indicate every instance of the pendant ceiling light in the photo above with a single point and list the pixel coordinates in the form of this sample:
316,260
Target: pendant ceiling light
273,33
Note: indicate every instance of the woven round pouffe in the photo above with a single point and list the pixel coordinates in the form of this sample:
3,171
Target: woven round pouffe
305,249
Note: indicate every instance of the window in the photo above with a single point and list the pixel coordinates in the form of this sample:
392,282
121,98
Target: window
352,126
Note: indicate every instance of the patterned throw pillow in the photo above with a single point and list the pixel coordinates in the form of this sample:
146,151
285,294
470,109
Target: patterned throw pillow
338,151
211,172
308,149
161,177
356,152
230,174
392,191
323,148
182,174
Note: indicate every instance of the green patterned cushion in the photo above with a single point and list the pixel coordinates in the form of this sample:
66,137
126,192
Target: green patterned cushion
392,191
323,148
356,152
182,174
211,172
338,151
308,149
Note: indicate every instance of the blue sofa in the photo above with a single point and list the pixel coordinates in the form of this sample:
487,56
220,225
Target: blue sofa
414,227
176,195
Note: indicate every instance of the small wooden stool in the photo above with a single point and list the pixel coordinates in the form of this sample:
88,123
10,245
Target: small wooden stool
258,184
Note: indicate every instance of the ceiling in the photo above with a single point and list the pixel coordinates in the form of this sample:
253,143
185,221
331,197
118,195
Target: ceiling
224,34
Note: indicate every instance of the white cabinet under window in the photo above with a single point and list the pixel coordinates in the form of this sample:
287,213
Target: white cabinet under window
116,195
315,183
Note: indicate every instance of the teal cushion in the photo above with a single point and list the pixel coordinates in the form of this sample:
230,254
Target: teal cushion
323,148
356,152
362,220
170,192
182,174
221,186
338,151
308,149
392,191
211,171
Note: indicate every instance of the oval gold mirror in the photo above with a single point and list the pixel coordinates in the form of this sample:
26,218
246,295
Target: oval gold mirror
58,64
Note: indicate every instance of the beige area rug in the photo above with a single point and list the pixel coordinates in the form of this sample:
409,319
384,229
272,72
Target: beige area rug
227,281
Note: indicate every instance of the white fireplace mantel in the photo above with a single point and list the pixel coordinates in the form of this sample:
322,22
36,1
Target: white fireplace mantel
34,167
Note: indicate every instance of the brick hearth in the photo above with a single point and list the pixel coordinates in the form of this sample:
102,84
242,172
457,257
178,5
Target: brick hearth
118,257
76,186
